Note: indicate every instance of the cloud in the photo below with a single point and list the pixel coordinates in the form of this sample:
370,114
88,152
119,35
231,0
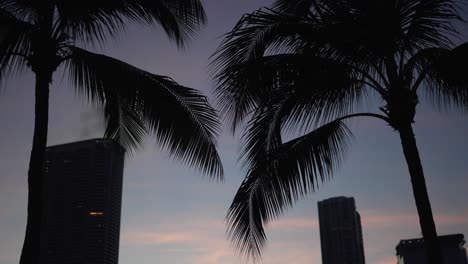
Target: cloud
202,241
198,233
295,223
276,253
217,254
452,219
371,219
388,260
194,239
376,219
145,238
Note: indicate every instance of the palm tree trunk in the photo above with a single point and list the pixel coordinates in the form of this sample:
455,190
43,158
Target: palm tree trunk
31,246
426,219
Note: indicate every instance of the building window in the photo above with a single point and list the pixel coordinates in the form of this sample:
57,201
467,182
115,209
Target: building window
96,213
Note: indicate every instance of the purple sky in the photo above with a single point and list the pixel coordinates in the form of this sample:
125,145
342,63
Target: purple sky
172,215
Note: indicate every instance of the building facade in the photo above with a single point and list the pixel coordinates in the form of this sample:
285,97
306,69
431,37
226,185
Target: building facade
412,251
340,231
82,203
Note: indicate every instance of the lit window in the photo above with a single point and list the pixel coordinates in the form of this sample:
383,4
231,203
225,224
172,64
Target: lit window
96,213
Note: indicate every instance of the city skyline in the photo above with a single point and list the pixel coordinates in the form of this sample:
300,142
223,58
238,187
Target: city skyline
171,215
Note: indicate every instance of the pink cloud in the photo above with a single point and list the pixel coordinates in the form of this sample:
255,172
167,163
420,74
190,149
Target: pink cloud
196,234
217,254
195,238
294,252
375,219
158,238
294,223
388,260
452,219
276,253
203,241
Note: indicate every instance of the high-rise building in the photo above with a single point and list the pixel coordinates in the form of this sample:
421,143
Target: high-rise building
82,203
412,251
340,231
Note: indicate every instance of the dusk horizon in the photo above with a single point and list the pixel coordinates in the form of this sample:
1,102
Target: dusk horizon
174,214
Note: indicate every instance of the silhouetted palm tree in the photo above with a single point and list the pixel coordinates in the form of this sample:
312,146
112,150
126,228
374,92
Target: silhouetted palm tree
43,35
307,65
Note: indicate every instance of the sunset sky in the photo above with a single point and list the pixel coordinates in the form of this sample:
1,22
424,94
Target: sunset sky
172,215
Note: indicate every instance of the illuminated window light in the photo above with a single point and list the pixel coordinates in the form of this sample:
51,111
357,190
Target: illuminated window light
96,213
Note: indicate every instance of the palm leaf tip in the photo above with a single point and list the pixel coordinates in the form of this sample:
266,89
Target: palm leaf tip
245,228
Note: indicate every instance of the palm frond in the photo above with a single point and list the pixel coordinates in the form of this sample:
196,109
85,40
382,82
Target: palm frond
275,183
180,117
268,32
319,90
294,6
429,23
384,27
15,43
446,75
124,122
25,10
325,86
90,20
418,24
255,33
263,132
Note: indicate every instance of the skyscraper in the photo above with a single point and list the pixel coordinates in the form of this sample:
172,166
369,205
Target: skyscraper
412,251
82,202
340,231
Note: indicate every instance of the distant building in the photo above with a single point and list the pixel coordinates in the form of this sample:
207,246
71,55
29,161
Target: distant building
82,202
340,231
412,251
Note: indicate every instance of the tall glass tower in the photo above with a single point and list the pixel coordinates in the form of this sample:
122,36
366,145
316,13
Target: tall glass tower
82,203
340,231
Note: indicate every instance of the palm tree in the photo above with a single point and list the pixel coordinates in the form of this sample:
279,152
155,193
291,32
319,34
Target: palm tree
307,66
44,35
